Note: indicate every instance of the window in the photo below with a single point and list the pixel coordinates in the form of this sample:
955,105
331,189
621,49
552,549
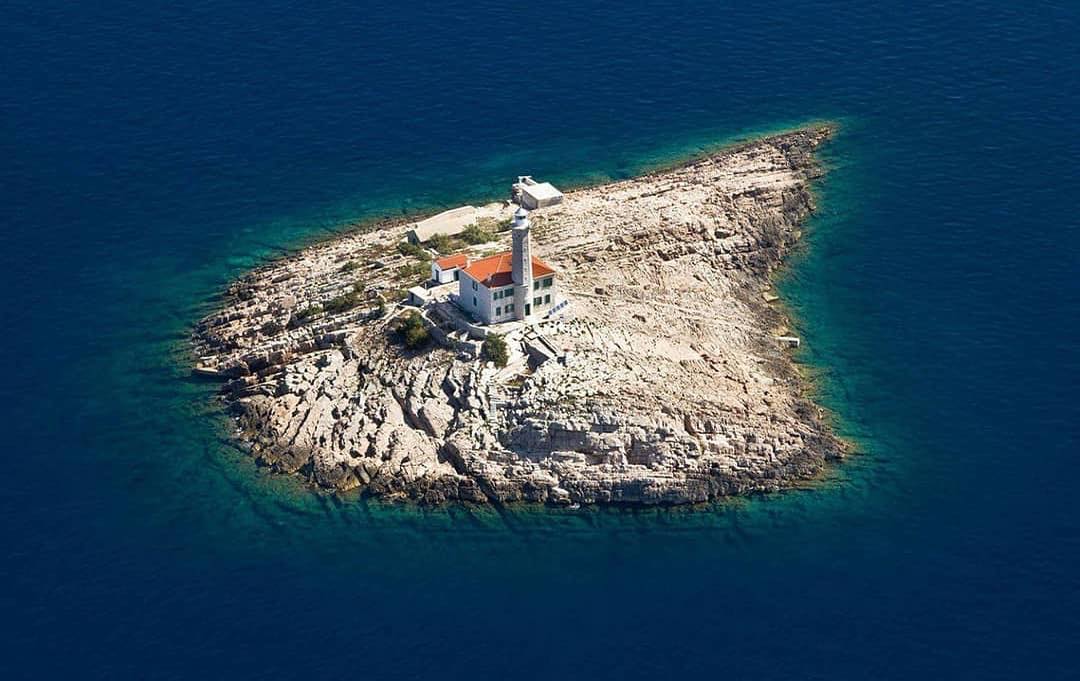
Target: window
536,301
474,301
457,275
474,286
498,311
547,299
536,285
546,283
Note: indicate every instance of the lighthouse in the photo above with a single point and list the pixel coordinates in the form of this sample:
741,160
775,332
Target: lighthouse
511,285
521,264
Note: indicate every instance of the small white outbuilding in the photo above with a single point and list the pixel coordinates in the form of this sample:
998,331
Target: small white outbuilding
448,269
530,194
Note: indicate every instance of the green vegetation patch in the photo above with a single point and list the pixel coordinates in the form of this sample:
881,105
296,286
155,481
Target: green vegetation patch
493,225
411,331
444,244
396,295
342,303
413,251
307,314
475,234
415,270
495,350
271,328
346,301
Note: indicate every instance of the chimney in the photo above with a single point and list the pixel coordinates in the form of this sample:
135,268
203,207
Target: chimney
521,264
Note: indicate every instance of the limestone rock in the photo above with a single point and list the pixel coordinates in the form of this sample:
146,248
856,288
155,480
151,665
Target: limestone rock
671,388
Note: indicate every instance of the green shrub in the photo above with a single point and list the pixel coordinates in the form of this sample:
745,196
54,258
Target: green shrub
494,350
413,250
441,243
350,266
342,303
475,234
414,270
411,330
303,316
271,328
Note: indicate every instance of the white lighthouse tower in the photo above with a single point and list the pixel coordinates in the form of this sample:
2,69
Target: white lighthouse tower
521,263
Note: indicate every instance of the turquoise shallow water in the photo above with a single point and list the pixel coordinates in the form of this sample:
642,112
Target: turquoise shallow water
156,152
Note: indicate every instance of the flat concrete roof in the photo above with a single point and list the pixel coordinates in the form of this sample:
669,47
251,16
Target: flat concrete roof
541,191
448,222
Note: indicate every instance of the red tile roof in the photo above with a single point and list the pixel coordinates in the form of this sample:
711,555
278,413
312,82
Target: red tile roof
541,268
497,270
452,261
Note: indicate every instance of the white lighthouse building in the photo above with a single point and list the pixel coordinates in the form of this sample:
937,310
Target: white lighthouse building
521,269
508,286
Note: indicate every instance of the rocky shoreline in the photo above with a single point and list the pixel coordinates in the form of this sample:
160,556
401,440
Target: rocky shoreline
670,388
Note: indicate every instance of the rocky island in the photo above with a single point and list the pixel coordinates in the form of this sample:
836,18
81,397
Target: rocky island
661,373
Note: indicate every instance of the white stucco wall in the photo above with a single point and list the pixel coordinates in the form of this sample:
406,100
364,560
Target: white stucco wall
502,304
485,303
442,276
474,297
540,195
547,295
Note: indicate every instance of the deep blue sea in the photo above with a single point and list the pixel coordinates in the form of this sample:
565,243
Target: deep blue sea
152,151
